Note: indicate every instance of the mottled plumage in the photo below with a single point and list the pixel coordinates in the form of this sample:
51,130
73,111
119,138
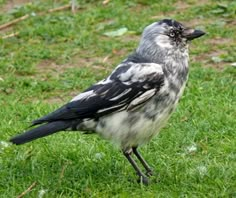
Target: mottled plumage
131,105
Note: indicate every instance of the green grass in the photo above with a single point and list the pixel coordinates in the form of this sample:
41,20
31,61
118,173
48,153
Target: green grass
57,55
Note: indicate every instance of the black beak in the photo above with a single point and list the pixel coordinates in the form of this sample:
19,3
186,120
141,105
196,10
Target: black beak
191,34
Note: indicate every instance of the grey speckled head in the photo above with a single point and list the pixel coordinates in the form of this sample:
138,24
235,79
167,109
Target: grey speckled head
171,29
166,35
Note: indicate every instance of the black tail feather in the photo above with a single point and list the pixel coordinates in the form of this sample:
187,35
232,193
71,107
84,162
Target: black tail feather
40,131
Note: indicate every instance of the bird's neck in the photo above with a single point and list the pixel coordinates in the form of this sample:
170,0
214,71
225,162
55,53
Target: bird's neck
161,53
151,52
174,61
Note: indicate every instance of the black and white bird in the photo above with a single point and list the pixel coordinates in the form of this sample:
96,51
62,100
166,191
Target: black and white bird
133,103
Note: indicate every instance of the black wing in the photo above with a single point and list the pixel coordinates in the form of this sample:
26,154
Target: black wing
126,88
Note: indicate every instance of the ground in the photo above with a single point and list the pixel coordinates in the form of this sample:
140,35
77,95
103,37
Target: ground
54,56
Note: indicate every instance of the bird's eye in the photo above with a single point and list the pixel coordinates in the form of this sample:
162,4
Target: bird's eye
172,34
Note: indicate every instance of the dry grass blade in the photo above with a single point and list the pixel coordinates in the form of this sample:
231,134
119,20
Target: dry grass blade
6,25
59,8
10,35
15,21
63,171
27,190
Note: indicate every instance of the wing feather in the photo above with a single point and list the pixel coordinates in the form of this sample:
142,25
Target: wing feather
129,86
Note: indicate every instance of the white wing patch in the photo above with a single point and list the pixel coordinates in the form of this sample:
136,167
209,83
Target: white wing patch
120,95
144,97
126,88
139,72
104,81
110,108
84,95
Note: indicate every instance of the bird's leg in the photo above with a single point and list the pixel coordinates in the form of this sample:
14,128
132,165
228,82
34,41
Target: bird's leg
143,162
142,178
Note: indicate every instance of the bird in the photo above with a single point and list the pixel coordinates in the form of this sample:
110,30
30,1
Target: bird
132,104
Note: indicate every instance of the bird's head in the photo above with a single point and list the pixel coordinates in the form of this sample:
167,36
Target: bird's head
170,33
166,35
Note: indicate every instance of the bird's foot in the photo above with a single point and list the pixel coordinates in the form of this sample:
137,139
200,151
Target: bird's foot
143,180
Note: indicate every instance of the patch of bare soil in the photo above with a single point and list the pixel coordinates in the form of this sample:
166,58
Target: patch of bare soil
131,37
220,41
105,62
197,22
182,5
10,4
50,67
215,44
94,62
216,51
55,100
138,8
206,59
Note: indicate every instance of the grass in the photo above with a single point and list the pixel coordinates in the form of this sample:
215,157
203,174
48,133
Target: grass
57,55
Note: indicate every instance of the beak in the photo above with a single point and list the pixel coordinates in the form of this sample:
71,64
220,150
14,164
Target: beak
191,34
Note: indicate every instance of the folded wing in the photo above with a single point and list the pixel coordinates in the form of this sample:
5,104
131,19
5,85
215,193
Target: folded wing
129,86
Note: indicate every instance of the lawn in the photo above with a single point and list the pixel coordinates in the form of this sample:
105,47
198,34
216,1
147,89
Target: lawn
55,55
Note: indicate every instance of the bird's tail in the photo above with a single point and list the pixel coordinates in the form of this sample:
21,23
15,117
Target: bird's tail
40,131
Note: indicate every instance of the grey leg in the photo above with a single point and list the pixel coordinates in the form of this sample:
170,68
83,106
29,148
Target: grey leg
143,162
142,178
